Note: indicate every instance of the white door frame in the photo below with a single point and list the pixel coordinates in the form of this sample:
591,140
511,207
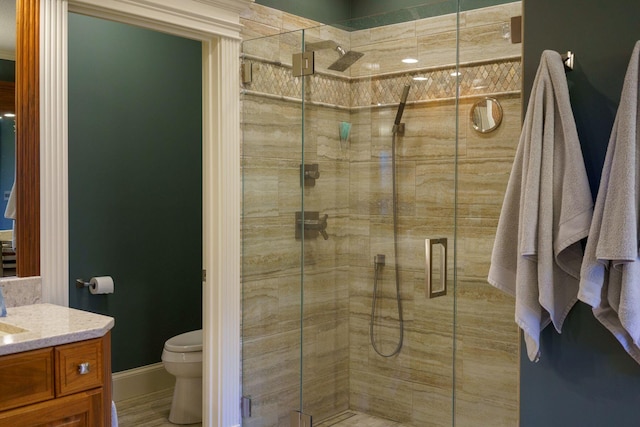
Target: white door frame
216,24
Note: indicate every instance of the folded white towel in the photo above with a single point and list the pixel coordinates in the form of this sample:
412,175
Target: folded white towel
10,211
546,212
611,268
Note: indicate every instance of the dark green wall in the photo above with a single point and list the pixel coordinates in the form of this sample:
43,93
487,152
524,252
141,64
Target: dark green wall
338,11
362,8
135,178
7,70
584,377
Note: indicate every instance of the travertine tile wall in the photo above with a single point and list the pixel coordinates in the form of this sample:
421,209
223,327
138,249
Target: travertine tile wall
340,369
486,336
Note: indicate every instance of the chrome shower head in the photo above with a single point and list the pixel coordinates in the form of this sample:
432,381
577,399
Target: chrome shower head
346,59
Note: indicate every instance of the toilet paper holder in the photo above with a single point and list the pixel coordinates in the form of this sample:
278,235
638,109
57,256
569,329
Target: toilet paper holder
97,285
80,283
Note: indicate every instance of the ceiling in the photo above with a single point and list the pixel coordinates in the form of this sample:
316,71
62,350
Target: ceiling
7,29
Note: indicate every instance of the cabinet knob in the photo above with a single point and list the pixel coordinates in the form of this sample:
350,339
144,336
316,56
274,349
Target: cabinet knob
84,368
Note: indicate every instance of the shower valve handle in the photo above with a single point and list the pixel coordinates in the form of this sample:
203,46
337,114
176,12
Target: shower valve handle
312,224
319,225
322,226
314,174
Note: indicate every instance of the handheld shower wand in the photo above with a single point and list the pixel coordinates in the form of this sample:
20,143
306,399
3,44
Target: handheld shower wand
379,259
403,102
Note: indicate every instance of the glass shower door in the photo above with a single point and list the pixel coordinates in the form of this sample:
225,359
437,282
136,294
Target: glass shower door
271,124
487,381
380,123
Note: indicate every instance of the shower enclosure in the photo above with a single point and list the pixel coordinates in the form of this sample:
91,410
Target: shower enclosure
369,210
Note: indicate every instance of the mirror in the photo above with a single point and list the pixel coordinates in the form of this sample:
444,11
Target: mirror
7,131
486,115
27,129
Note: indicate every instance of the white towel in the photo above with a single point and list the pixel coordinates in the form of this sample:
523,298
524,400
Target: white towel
114,415
546,212
611,269
10,211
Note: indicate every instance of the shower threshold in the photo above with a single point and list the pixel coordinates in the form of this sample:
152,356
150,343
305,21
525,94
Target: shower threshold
356,419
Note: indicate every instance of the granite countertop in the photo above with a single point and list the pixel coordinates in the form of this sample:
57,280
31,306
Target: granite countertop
47,325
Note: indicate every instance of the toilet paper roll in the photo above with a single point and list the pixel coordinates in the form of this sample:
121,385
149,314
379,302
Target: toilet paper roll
101,285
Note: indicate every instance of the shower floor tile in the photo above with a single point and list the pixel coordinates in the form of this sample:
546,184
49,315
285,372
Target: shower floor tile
356,419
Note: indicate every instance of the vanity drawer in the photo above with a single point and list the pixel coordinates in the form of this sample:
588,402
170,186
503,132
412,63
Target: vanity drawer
79,366
26,378
78,410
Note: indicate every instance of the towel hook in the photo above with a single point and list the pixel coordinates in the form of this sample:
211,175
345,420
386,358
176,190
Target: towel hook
567,59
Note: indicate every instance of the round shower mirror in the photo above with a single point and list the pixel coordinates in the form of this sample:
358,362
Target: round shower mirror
486,115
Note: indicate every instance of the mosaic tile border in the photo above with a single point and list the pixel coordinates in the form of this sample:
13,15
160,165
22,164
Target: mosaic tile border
476,79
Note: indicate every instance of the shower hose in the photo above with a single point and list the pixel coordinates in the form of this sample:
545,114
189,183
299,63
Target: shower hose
378,266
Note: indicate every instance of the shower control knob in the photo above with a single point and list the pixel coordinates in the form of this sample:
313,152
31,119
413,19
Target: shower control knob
312,224
313,174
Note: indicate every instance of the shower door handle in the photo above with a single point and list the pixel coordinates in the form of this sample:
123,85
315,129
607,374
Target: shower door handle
432,291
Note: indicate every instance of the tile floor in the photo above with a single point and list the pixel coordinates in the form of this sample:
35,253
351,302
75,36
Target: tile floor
152,410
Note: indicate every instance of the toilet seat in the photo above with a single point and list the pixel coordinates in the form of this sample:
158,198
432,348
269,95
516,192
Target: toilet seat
181,357
185,343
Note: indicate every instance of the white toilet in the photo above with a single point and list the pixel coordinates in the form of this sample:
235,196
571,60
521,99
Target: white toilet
182,358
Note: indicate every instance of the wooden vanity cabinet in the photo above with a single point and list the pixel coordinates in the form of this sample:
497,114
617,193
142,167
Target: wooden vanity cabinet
67,385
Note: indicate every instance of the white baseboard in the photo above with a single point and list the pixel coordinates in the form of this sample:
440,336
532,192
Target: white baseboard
139,381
